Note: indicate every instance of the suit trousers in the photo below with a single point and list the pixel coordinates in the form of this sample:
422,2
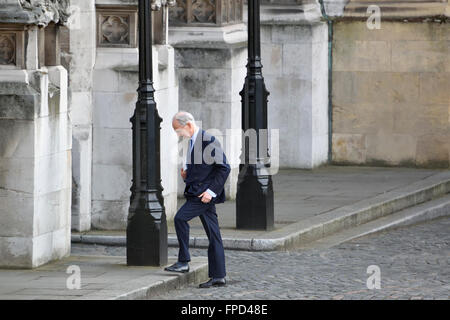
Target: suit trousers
207,213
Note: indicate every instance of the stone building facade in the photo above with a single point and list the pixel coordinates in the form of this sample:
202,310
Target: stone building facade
341,92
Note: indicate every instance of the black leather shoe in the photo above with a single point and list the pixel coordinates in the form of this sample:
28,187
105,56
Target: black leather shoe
178,267
218,282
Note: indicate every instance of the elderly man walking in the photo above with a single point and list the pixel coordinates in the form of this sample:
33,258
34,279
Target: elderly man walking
205,173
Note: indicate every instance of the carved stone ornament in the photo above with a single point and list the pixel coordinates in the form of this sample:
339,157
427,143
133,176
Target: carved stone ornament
203,10
157,4
115,29
7,49
37,12
207,12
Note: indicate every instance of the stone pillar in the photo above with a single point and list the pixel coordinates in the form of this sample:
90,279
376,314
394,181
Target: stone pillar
78,56
294,50
35,140
210,44
115,81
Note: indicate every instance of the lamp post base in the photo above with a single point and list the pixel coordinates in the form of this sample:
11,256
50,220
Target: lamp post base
254,199
146,236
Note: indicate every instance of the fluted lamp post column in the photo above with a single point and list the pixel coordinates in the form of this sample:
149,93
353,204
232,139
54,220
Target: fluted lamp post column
147,226
254,197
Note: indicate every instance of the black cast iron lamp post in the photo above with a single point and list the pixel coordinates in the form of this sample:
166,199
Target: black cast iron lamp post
254,198
147,226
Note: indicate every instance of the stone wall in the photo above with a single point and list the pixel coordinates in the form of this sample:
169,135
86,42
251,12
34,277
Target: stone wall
294,52
35,165
211,58
115,83
391,97
210,81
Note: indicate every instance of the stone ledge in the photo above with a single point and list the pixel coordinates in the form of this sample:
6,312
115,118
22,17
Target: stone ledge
399,10
209,37
306,14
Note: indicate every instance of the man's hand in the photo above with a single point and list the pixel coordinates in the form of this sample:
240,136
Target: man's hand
206,197
183,174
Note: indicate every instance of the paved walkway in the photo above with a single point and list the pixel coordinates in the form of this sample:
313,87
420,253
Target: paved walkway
101,277
310,204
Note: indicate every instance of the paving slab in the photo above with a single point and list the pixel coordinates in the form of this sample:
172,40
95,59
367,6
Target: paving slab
101,278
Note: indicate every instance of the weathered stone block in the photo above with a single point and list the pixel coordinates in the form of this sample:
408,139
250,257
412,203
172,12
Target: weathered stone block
390,31
271,54
81,178
319,150
349,148
203,58
204,84
375,87
110,215
42,249
53,134
106,80
16,252
266,34
433,150
112,146
19,224
112,182
361,55
61,243
237,84
434,88
395,149
51,209
12,168
420,56
363,118
16,138
53,172
297,60
421,119
284,34
114,110
18,101
81,112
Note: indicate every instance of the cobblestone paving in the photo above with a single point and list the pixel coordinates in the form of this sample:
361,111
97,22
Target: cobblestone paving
414,263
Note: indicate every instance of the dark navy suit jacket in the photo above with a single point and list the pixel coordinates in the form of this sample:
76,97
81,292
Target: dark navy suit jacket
207,168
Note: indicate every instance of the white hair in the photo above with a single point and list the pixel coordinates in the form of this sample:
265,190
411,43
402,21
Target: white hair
183,117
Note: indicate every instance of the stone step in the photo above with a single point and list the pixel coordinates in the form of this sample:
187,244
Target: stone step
426,211
354,215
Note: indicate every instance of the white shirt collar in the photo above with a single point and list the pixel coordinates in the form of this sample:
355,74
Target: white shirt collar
194,136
